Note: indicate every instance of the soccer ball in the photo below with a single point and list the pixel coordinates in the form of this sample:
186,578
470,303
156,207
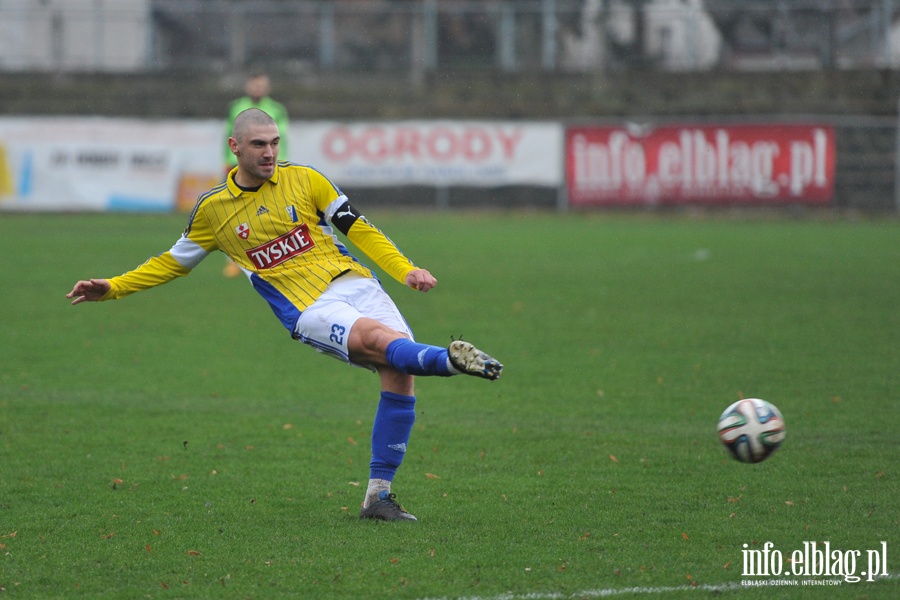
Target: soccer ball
751,429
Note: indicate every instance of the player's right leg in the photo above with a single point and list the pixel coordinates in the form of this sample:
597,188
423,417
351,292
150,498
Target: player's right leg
336,329
390,435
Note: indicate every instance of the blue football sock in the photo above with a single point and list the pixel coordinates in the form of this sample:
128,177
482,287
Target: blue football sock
413,358
390,434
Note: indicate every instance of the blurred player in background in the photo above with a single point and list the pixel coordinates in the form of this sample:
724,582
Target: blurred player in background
272,218
257,89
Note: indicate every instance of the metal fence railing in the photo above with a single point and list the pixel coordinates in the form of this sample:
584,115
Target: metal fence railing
423,36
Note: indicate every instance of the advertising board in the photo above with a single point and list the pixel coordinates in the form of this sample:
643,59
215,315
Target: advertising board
748,164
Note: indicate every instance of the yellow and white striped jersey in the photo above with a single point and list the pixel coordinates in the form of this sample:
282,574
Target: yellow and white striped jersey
279,235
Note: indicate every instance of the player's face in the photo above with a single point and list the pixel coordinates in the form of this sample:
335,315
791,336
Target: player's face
257,88
257,153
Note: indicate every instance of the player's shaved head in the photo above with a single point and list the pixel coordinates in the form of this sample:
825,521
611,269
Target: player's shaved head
254,141
247,119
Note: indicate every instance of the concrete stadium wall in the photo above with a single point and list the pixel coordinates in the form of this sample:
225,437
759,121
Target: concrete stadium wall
461,95
862,105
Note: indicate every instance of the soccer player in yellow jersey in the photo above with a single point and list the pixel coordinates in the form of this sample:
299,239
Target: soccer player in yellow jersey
256,89
272,218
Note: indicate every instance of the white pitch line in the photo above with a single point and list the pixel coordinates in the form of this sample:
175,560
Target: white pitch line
602,593
609,592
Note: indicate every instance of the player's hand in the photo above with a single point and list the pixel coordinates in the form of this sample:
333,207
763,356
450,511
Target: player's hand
420,279
88,291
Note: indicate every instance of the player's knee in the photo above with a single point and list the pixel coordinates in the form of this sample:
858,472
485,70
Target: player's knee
370,339
397,382
377,337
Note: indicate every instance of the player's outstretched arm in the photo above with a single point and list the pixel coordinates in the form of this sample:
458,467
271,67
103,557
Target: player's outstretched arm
88,291
420,279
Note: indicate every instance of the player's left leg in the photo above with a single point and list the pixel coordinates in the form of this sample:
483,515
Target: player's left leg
374,343
382,338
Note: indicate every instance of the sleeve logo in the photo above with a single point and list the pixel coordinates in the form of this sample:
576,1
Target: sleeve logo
275,252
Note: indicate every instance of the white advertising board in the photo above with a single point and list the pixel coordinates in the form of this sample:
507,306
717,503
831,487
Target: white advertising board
433,153
78,163
97,163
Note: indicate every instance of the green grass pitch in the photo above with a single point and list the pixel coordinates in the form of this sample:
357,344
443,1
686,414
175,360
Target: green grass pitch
178,444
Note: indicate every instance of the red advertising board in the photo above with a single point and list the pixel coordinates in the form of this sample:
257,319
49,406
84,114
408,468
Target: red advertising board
733,164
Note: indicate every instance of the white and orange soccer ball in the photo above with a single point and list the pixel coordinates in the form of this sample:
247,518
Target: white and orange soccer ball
751,429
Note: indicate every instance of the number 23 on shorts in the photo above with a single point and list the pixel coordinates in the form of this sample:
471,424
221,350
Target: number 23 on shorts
337,334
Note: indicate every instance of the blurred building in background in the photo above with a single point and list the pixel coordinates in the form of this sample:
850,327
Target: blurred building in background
75,35
461,102
422,36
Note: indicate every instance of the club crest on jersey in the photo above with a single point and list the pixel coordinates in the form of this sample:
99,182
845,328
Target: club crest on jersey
243,231
292,213
275,252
